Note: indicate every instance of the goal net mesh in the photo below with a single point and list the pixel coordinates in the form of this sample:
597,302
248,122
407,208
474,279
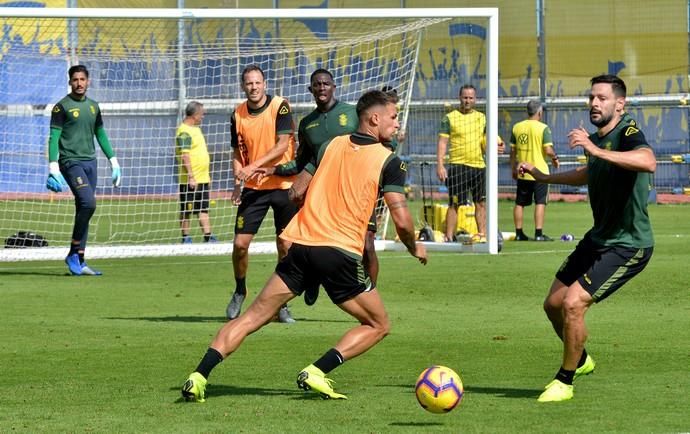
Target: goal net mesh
143,72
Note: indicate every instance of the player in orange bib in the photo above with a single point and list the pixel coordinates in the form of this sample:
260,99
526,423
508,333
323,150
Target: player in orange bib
262,135
327,236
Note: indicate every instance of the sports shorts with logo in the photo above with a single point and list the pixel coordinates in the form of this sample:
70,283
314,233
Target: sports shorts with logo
196,200
254,207
306,267
602,270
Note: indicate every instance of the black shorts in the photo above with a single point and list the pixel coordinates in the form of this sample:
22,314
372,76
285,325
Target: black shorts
601,270
528,190
254,206
463,180
194,201
306,267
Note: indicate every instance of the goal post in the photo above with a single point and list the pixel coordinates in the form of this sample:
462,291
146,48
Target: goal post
146,64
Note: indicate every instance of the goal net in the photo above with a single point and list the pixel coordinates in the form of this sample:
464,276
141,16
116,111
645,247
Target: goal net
143,72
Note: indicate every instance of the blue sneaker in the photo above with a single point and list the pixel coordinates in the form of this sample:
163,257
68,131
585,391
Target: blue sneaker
212,239
88,271
73,264
187,239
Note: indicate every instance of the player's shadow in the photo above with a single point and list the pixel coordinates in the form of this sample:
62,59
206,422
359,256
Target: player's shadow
33,273
204,319
227,390
504,392
323,320
416,424
176,318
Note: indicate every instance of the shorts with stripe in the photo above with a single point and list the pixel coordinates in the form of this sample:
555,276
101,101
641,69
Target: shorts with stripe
602,270
304,268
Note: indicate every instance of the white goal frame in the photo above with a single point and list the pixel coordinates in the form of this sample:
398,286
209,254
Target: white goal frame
491,14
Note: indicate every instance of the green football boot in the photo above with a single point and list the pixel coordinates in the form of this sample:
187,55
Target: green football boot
586,369
313,378
556,391
194,389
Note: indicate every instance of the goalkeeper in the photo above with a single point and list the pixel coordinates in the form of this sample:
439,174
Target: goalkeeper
72,160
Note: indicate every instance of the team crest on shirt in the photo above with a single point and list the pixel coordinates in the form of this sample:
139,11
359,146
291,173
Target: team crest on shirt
403,166
56,109
284,110
607,146
342,119
630,131
74,112
93,110
80,181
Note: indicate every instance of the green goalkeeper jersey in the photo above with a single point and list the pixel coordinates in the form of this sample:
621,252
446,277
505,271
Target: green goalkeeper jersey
317,128
78,121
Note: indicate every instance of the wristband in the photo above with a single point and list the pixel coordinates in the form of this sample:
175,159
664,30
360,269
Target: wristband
54,167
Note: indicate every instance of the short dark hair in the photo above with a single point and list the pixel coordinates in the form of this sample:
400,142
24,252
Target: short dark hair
533,107
320,71
617,85
374,98
253,67
467,86
77,68
192,108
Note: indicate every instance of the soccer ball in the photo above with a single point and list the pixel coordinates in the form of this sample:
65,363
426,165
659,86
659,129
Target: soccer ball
567,237
438,389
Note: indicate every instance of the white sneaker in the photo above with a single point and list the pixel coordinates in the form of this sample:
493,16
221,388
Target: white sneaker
284,315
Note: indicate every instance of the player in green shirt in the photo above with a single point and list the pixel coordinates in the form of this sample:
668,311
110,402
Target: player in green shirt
331,118
71,152
619,245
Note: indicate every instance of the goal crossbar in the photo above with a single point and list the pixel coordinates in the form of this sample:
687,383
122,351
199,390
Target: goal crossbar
168,106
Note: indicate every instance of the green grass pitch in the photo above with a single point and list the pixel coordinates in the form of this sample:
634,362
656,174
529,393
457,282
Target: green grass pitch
109,354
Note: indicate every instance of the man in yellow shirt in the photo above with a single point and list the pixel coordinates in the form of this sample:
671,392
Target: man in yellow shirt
531,142
327,236
464,129
193,176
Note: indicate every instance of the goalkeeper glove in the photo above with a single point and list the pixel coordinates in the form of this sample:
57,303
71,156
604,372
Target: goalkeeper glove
117,173
56,181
